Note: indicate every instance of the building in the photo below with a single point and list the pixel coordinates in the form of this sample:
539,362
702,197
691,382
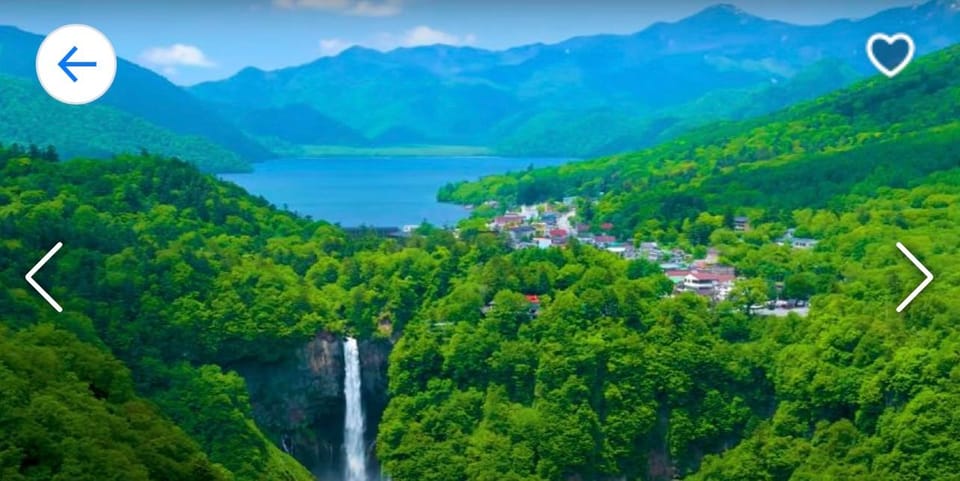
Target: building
507,221
673,266
521,233
587,239
558,236
676,275
604,240
625,251
650,251
716,286
803,243
741,224
790,239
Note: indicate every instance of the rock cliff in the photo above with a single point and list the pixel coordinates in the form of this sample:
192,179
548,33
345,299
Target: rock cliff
299,401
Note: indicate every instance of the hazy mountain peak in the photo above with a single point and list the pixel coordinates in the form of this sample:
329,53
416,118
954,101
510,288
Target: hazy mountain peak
947,4
949,7
727,8
722,12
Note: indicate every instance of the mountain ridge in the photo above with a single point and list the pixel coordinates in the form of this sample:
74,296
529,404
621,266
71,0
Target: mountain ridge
167,108
466,95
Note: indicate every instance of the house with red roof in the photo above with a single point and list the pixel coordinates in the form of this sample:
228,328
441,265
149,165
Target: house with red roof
716,285
604,240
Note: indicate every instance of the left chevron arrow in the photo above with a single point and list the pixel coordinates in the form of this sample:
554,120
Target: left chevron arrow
29,277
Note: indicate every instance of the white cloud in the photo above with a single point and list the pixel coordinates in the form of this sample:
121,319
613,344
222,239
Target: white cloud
314,4
424,35
414,37
361,8
330,47
367,8
176,55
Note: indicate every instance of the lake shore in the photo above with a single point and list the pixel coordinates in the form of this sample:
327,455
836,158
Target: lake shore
356,191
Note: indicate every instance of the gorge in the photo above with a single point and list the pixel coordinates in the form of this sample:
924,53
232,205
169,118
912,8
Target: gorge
303,404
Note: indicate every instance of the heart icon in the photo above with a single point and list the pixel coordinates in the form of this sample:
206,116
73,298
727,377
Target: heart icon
890,53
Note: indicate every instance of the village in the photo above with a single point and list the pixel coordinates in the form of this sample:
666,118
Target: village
552,225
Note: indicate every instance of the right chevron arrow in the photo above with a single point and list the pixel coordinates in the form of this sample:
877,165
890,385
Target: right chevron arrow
923,285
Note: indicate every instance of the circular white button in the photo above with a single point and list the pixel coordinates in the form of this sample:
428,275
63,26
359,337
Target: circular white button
76,64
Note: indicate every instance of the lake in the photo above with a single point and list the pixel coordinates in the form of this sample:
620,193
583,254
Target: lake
373,191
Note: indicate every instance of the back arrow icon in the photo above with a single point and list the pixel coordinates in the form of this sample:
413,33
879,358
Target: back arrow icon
65,64
923,285
36,268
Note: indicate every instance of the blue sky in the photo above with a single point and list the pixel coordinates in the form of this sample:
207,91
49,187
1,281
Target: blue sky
194,41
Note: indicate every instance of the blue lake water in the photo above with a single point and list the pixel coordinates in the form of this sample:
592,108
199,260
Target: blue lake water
373,191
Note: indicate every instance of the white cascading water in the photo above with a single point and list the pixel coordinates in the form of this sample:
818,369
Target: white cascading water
353,426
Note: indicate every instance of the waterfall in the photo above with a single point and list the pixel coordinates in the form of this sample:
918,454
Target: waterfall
353,426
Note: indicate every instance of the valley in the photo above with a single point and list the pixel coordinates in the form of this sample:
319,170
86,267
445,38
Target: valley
584,97
640,278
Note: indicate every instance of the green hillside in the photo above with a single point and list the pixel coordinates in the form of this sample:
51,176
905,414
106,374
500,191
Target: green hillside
141,110
69,408
128,278
857,138
605,130
30,116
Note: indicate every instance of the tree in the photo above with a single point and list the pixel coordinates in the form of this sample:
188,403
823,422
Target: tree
747,293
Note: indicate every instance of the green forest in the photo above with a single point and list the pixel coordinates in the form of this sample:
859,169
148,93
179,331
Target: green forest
170,277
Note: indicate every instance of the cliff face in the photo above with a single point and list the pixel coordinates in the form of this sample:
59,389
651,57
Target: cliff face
373,380
299,401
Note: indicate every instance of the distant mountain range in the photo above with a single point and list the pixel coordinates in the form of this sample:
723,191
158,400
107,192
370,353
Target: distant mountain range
586,96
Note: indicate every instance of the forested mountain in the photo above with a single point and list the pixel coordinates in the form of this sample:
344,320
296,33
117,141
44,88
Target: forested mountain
141,110
172,277
30,116
587,96
631,90
856,139
568,363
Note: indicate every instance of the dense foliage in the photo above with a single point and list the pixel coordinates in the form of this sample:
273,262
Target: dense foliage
609,380
127,267
69,411
180,276
601,385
